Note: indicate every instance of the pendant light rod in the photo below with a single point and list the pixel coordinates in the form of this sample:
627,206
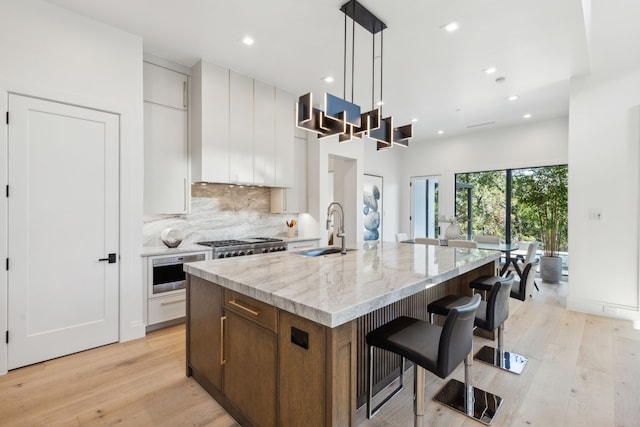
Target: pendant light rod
344,61
381,62
353,53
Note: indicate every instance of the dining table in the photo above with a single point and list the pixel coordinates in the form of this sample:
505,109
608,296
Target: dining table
506,248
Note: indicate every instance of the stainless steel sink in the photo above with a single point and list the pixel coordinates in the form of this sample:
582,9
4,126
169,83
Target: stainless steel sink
321,251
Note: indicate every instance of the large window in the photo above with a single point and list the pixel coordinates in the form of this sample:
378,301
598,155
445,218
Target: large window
516,204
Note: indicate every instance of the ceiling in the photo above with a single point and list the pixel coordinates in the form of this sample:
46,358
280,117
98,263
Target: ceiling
429,74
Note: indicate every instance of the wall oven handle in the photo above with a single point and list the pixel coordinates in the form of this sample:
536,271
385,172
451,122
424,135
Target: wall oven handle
175,301
222,359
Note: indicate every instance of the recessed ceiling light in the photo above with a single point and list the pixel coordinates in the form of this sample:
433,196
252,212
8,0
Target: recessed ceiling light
440,132
328,79
415,119
490,70
513,97
527,116
451,26
379,103
247,40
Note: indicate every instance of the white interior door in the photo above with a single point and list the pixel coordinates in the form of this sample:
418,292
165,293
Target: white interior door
62,219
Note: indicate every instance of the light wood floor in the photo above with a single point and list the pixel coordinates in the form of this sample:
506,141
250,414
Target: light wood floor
583,371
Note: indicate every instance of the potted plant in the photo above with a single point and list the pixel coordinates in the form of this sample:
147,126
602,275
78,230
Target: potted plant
544,195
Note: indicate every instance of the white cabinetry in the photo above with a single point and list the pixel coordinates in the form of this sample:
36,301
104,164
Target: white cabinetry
264,134
242,129
166,154
293,199
302,245
284,132
210,123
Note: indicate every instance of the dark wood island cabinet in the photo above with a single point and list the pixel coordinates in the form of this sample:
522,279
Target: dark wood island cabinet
288,349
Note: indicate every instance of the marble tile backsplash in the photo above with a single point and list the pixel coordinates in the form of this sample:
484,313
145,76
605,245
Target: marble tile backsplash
221,211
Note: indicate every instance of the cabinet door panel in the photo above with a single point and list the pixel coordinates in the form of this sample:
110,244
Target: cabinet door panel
264,134
285,111
250,371
164,86
240,129
210,123
204,329
165,160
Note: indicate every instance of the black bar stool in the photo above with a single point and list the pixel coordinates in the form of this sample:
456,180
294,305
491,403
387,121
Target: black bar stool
439,350
490,316
485,283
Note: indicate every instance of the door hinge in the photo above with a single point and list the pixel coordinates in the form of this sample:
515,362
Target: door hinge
7,264
6,337
7,117
7,190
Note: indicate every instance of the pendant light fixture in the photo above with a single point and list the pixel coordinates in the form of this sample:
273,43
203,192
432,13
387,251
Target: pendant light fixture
344,118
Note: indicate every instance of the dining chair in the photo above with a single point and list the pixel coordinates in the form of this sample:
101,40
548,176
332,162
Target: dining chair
486,239
519,262
427,241
455,243
521,289
401,236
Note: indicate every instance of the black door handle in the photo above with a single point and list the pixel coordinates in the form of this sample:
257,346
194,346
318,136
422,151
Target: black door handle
111,259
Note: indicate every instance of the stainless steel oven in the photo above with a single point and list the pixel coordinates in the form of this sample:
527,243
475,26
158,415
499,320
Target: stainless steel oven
168,274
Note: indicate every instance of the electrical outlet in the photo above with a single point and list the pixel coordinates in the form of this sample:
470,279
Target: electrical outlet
595,215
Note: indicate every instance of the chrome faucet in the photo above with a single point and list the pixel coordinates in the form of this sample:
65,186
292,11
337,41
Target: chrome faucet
340,233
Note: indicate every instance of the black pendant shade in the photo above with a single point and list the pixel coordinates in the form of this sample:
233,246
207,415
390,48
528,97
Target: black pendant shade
344,118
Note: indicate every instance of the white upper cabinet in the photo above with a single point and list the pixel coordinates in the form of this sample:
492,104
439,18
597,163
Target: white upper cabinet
210,123
264,134
164,86
294,199
166,155
240,129
285,125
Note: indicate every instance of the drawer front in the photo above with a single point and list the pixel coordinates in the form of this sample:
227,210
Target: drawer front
300,246
252,309
166,308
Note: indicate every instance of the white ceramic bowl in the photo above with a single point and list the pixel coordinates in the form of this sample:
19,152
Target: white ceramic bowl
172,237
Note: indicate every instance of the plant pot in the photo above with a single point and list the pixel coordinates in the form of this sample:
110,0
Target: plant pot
551,269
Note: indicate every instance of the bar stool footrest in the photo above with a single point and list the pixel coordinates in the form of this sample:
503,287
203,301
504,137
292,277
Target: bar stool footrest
508,361
483,409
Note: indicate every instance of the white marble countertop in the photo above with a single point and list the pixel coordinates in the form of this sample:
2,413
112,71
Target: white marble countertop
335,289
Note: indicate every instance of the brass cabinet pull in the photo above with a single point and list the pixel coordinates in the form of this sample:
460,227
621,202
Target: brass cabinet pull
222,359
247,309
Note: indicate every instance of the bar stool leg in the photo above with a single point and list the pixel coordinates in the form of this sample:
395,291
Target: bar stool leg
500,358
468,389
418,396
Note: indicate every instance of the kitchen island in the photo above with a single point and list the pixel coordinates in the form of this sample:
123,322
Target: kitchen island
278,339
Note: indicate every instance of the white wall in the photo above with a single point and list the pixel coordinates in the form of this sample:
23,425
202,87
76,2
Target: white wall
388,165
319,154
603,176
54,54
532,144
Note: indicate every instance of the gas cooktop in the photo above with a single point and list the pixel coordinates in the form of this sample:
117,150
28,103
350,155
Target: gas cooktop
234,242
234,247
